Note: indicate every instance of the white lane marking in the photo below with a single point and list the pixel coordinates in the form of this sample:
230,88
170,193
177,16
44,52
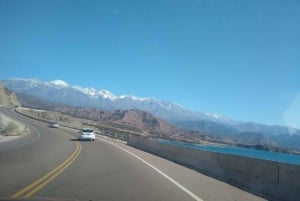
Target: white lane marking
187,191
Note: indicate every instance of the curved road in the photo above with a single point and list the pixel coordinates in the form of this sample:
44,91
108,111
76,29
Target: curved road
48,162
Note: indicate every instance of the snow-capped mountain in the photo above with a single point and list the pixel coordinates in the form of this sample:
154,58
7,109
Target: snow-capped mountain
61,92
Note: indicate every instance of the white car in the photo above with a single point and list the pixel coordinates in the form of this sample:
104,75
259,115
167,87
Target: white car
54,125
87,134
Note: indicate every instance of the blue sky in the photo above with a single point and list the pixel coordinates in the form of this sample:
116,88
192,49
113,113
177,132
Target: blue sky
237,58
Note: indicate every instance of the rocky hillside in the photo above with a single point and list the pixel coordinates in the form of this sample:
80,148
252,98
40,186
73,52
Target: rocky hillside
7,97
134,120
8,126
35,102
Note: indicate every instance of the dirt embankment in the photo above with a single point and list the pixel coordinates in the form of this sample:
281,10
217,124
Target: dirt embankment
51,116
8,97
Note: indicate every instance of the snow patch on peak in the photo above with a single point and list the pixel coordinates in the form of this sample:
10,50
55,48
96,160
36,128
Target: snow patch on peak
87,91
95,93
59,83
135,98
107,94
215,116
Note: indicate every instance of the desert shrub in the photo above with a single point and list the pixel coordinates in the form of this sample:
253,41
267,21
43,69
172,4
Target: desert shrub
1,122
10,128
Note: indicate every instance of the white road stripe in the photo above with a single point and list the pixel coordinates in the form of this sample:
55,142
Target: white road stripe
187,191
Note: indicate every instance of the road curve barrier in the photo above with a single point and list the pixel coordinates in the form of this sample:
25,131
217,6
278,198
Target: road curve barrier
273,180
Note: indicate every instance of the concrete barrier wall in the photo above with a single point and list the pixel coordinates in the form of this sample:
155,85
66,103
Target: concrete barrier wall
273,180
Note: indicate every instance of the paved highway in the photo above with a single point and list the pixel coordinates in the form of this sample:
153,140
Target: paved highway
48,162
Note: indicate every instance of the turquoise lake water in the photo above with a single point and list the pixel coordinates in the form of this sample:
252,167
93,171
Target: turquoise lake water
252,153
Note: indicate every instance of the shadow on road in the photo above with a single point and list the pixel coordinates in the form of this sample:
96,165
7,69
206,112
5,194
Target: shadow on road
76,139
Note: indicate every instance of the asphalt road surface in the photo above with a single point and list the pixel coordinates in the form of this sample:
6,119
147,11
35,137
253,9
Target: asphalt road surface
51,163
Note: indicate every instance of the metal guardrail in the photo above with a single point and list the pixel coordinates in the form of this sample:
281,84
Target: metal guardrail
116,135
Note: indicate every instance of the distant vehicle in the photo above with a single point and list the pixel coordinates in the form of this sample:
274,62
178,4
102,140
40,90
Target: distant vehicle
87,134
54,125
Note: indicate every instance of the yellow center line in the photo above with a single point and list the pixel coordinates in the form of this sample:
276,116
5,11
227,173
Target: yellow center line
43,181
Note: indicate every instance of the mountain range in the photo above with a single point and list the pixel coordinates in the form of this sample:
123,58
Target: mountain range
61,92
57,92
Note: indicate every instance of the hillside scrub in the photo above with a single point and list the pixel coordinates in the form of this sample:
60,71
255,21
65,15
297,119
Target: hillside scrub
9,127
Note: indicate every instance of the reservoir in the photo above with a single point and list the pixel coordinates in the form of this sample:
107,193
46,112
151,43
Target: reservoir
252,153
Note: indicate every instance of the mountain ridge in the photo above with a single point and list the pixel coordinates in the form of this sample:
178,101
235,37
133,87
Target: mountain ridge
62,92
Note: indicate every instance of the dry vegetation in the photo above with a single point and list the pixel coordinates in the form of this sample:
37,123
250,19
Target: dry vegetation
10,127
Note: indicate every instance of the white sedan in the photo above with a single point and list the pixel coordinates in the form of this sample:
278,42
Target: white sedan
87,134
54,125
